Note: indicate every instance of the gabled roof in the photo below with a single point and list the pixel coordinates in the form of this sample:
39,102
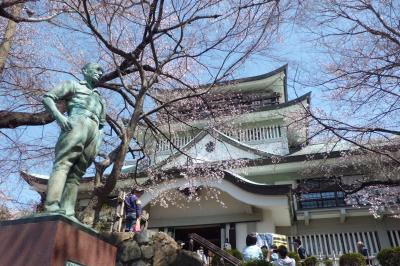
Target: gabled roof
39,182
273,81
277,72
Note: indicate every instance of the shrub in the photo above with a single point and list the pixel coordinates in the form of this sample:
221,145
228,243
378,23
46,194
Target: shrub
328,262
310,261
389,257
294,256
216,260
352,259
256,263
236,253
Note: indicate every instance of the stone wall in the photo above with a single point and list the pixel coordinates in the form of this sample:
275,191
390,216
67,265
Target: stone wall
151,249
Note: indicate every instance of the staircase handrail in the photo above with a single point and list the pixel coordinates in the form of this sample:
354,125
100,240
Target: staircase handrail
215,249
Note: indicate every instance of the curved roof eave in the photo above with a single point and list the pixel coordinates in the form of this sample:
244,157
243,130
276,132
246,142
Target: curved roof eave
254,78
256,188
40,181
245,80
34,178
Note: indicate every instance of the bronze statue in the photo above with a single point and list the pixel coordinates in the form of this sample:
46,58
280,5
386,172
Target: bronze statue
79,139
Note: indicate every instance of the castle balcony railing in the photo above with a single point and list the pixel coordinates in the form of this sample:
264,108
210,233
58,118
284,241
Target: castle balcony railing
245,135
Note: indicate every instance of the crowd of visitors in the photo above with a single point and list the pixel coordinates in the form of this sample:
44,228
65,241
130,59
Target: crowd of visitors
276,255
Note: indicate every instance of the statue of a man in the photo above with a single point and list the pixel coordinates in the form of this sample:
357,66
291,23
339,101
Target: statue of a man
79,139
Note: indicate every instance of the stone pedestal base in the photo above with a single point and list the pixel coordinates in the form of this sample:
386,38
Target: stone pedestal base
52,241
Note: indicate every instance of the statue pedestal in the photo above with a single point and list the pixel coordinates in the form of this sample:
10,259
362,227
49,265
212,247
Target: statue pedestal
52,240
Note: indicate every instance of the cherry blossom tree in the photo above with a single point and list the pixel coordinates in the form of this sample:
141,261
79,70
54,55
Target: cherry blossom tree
148,48
360,74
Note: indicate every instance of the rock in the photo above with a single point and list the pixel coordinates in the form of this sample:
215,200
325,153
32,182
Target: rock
147,251
140,263
151,233
161,251
118,237
128,251
142,238
165,250
187,258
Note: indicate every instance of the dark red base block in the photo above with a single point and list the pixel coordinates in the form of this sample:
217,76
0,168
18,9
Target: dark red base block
52,241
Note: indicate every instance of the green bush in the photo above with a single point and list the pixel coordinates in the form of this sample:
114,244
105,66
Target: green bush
328,262
216,260
389,257
310,261
294,256
236,253
352,259
256,263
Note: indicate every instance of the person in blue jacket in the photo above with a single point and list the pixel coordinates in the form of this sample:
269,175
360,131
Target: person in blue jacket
133,208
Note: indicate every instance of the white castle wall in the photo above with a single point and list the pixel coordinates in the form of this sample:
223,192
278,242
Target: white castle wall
203,208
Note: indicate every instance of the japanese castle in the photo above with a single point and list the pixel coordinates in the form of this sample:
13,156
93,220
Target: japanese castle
263,196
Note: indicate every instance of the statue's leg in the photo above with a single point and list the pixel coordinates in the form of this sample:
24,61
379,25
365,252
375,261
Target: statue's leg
55,186
70,193
71,189
69,148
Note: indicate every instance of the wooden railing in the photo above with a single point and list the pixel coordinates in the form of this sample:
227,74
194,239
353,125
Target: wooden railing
215,249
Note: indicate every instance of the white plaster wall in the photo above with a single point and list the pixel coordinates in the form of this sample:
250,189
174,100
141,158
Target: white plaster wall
161,156
278,147
280,215
239,206
267,224
205,207
223,151
241,233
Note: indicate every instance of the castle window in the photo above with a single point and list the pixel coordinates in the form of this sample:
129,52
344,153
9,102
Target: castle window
325,199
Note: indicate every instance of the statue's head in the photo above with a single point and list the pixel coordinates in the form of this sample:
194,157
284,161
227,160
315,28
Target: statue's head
92,72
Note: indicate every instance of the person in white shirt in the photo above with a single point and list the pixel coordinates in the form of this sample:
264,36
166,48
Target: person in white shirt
283,259
252,251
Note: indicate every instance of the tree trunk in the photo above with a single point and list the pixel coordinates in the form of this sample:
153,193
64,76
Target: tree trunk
9,34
